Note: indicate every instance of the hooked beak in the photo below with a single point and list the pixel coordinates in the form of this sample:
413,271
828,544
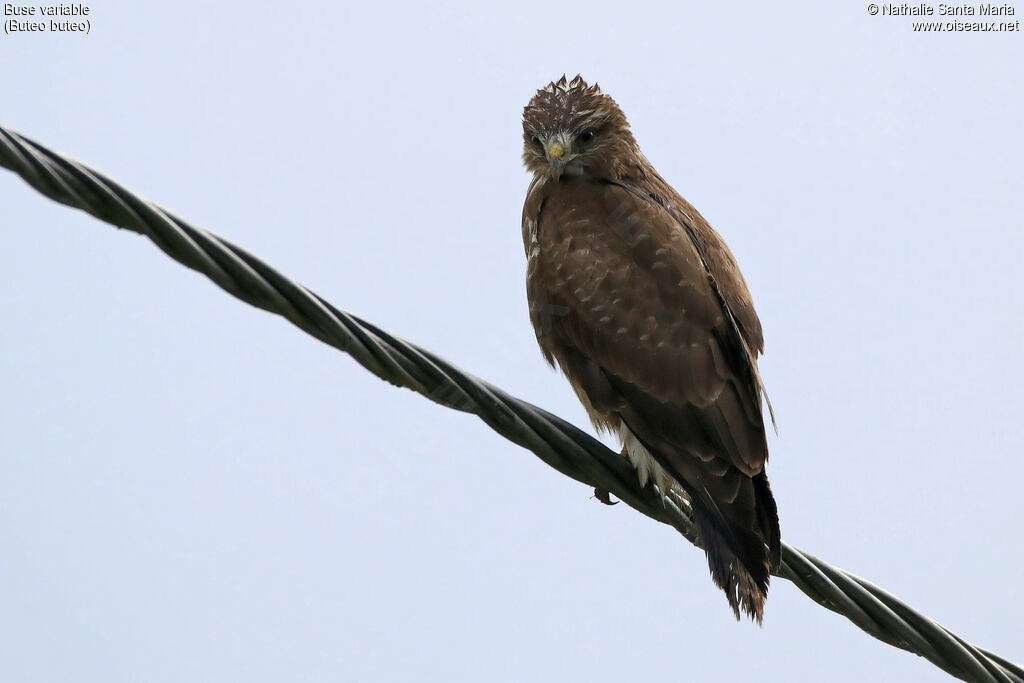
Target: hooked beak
558,152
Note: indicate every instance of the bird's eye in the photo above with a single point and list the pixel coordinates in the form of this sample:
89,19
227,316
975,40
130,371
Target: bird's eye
586,136
536,140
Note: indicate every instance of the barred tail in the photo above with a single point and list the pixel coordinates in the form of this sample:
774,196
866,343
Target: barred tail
742,543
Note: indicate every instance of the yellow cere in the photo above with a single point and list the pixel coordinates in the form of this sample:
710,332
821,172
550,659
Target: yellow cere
556,150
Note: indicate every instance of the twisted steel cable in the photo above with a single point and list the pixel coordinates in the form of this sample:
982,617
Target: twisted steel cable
558,443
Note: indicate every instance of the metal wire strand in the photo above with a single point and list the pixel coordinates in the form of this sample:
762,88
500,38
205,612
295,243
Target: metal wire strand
558,443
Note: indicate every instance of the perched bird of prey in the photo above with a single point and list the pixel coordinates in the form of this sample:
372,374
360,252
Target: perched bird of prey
643,307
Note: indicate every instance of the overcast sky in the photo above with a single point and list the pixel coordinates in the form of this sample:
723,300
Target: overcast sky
194,490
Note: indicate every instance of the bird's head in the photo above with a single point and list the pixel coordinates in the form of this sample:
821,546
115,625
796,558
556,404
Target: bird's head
571,128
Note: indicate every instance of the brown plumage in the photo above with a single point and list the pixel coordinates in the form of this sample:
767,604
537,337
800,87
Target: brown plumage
643,307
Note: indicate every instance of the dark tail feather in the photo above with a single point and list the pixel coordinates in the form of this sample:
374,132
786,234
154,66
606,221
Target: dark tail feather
742,545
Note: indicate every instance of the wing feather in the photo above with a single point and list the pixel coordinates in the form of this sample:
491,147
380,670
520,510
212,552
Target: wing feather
619,281
622,296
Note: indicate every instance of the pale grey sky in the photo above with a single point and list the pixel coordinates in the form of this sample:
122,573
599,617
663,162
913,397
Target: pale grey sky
194,490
